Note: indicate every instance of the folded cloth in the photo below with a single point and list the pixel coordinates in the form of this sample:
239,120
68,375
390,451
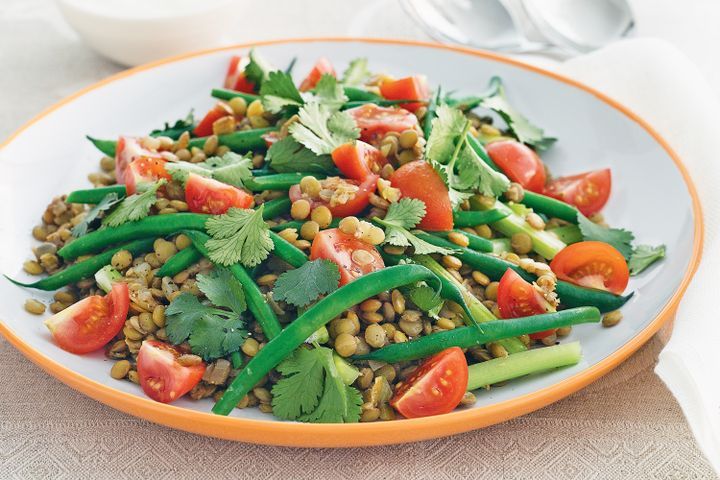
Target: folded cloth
659,83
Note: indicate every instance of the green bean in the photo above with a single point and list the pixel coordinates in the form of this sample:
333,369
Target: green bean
473,218
86,268
493,331
476,242
472,102
379,102
179,262
479,149
430,114
277,181
257,304
161,225
95,195
356,94
315,317
276,207
241,141
226,94
551,207
291,66
533,361
494,267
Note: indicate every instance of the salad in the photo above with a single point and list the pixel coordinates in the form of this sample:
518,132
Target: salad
354,247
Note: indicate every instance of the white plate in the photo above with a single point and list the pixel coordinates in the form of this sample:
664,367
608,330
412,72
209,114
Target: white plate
50,156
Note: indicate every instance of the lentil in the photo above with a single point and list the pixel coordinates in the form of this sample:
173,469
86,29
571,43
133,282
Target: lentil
239,106
120,369
300,209
611,319
121,260
309,229
452,262
408,138
345,345
459,239
375,336
250,347
34,306
349,225
521,243
32,267
535,221
322,216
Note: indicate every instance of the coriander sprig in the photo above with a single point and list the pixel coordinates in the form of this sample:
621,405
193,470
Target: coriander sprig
239,236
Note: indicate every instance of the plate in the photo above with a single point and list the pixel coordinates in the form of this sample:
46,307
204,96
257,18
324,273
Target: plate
50,156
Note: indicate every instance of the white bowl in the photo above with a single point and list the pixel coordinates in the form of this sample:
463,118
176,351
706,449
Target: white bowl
593,132
131,32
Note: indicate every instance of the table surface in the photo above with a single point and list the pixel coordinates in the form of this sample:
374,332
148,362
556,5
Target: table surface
626,425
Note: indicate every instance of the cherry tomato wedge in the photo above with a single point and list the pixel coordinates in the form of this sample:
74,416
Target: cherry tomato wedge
144,170
357,160
235,78
91,323
353,257
436,386
205,127
592,264
415,88
519,162
419,180
374,121
205,195
322,67
127,150
518,298
162,378
589,191
358,195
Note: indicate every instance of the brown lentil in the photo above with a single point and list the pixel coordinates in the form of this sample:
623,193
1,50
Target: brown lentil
345,345
349,225
408,138
56,307
611,319
32,267
300,209
535,221
121,260
370,305
459,239
302,244
375,336
445,323
521,243
239,106
309,229
289,234
452,262
491,291
468,399
497,350
250,347
322,216
120,369
34,306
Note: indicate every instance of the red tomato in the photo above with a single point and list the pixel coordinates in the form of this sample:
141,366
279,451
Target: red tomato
91,323
518,298
353,206
162,378
436,386
341,248
419,180
205,195
127,150
357,160
519,162
205,127
374,121
408,88
271,138
235,78
592,264
322,67
144,169
589,191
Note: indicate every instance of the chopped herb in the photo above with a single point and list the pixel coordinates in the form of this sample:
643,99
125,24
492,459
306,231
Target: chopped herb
329,92
257,69
287,155
305,284
518,124
619,238
222,289
279,91
239,236
357,72
231,168
400,218
426,299
134,207
178,128
322,129
643,256
312,390
108,201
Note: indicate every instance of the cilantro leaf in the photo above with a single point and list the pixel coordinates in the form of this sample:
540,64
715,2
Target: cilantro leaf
213,337
457,163
518,124
619,238
182,314
106,203
134,207
305,284
178,128
239,236
231,168
329,92
322,130
356,73
287,155
279,91
400,218
426,299
180,171
643,256
312,390
257,69
223,289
